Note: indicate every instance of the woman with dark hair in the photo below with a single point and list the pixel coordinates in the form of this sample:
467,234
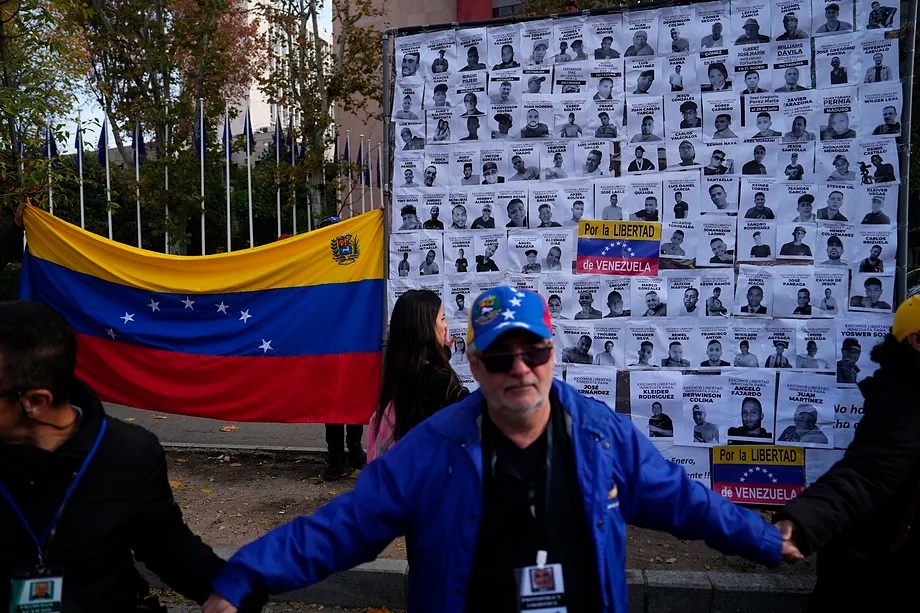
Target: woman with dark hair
718,78
858,515
417,378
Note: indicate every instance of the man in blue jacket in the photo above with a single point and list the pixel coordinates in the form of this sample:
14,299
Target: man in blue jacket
524,479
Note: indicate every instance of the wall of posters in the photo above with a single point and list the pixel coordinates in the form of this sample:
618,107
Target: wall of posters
761,139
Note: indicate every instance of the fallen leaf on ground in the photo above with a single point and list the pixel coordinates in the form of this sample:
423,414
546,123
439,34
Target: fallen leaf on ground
130,418
182,460
175,484
236,464
159,417
207,490
228,428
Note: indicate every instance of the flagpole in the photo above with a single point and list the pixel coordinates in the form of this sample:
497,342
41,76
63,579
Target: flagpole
278,163
108,176
361,179
80,170
368,185
166,185
137,178
293,182
227,153
379,178
48,149
252,242
348,161
201,137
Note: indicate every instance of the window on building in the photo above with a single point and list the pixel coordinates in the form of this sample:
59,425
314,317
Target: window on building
506,8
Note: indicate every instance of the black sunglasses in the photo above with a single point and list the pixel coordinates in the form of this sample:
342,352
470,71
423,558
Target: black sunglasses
502,362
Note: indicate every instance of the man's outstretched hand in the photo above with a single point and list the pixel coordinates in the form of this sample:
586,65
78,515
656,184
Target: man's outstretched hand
217,604
791,551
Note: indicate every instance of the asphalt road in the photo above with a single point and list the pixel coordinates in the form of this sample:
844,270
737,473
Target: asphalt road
178,429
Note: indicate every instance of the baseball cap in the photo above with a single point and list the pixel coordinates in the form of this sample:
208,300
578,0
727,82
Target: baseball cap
502,309
851,343
907,318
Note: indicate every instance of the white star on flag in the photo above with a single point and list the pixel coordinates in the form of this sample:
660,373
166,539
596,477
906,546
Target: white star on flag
110,332
222,308
516,302
265,346
154,306
508,314
188,303
244,316
127,317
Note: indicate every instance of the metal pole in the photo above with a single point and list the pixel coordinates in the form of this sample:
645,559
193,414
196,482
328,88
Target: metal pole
908,31
50,189
166,185
370,173
203,145
80,171
108,178
348,161
137,179
379,175
293,182
278,136
227,151
361,173
252,242
385,54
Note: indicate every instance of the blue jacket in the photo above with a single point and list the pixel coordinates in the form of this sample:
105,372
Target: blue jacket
429,488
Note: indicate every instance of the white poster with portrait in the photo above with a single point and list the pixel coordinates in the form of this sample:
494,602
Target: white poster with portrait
572,32
678,73
877,160
751,73
465,166
880,110
558,290
815,345
430,249
537,117
411,135
521,282
407,170
595,382
839,110
408,98
877,58
676,30
877,204
511,207
472,49
525,162
836,161
490,250
640,159
641,33
781,335
437,206
643,202
406,211
682,112
572,80
716,245
834,62
714,26
719,194
456,334
409,55
437,174
605,80
405,257
759,198
592,158
871,292
503,122
605,36
763,117
494,163
800,113
576,201
576,342
754,292
721,116
616,294
797,202
705,411
590,299
442,125
856,336
717,291
756,240
559,251
610,339
459,246
791,20
645,119
610,198
751,22
644,76
680,197
504,46
749,343
684,294
679,241
878,15
649,297
571,117
792,291
720,158
557,160
716,341
482,210
835,245
796,241
796,162
832,17
524,247
546,211
656,402
792,66
458,298
805,410
831,287
439,53
752,404
683,344
716,71
537,43
606,119
537,80
396,288
834,201
505,87
467,92
759,158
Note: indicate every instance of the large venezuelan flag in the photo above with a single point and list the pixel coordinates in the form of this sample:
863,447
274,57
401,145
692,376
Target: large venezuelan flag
287,332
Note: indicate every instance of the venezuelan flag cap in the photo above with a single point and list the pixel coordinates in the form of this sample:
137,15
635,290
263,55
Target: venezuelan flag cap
504,308
907,318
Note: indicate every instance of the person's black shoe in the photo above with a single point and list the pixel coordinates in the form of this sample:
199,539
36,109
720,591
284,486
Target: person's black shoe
337,468
357,459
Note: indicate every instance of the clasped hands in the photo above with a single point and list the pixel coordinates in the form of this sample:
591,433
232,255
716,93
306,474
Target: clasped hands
791,553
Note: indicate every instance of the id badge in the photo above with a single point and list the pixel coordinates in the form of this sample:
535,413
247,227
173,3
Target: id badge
541,588
37,591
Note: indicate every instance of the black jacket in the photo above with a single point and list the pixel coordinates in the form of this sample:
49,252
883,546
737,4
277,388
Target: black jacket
10,245
853,513
123,504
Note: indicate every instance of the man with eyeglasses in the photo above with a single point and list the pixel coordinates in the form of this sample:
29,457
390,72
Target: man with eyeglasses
81,494
525,472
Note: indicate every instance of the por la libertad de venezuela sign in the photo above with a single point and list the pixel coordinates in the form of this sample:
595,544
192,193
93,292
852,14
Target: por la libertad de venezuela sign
758,475
618,248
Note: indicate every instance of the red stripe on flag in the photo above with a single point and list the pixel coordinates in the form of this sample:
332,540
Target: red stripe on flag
630,267
339,388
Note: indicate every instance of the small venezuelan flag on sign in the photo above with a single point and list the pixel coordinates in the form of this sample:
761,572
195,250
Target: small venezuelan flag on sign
286,332
627,248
